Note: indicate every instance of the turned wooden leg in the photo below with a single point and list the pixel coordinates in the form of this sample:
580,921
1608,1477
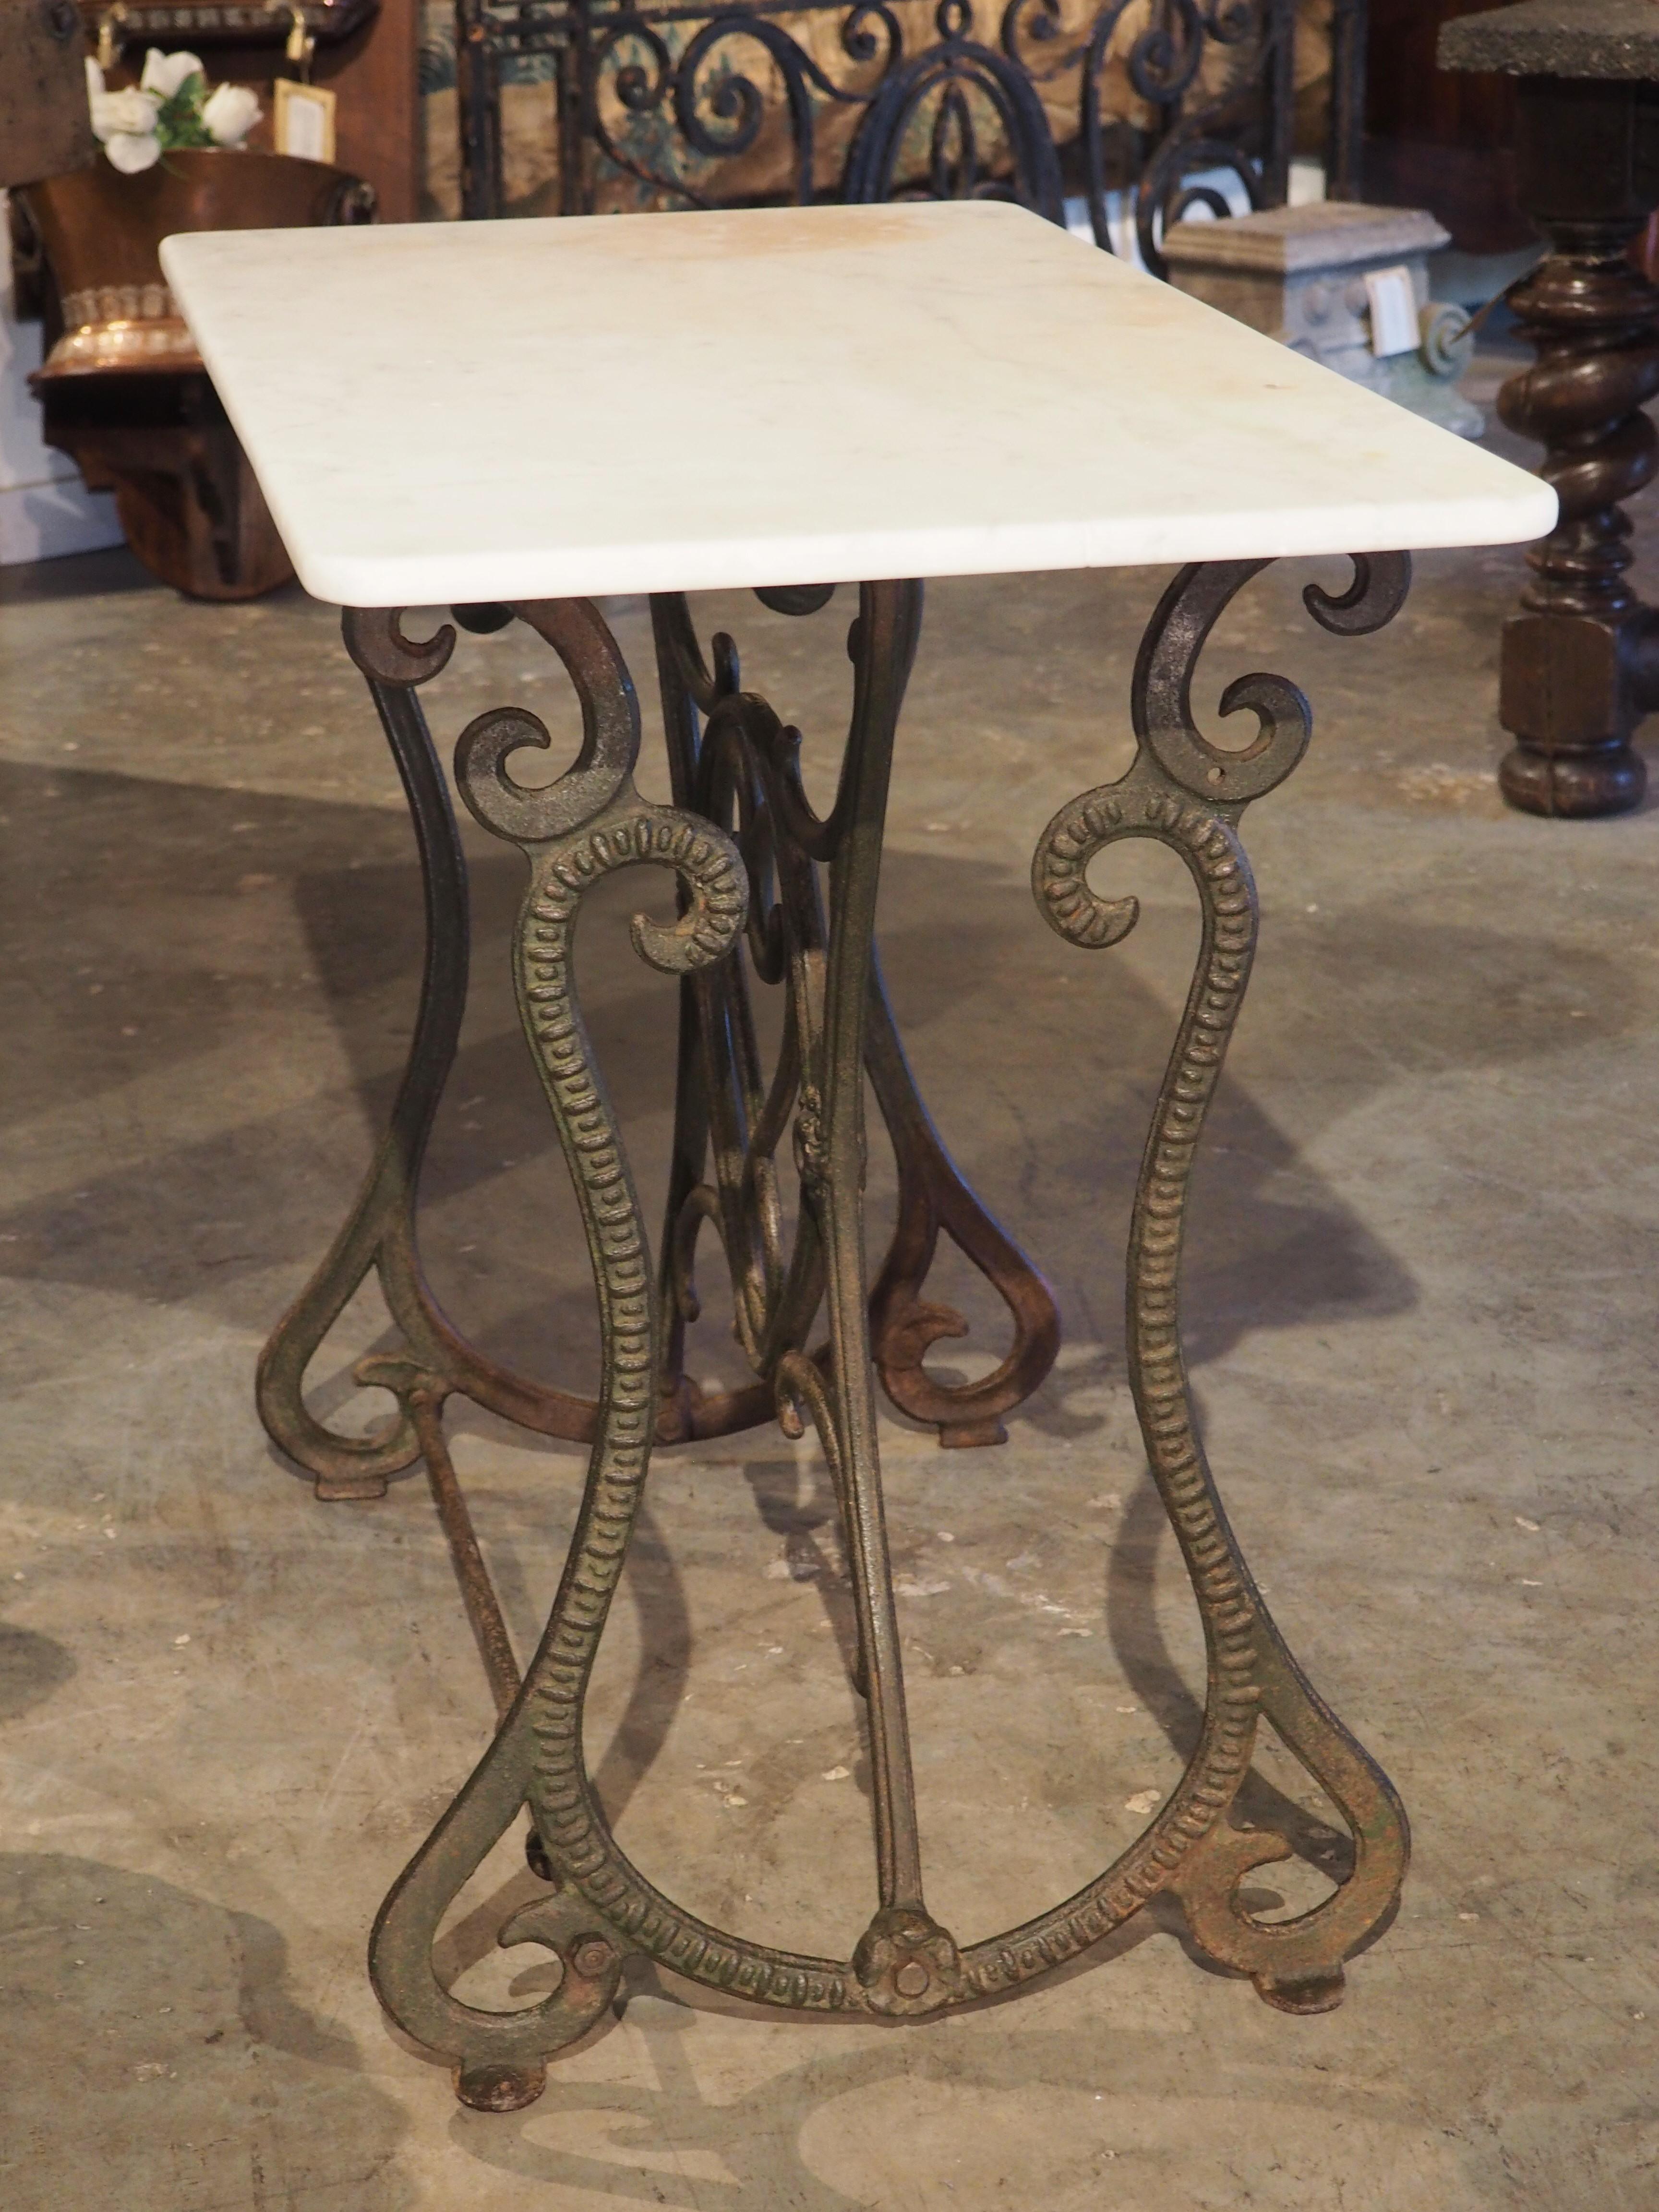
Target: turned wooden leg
1577,659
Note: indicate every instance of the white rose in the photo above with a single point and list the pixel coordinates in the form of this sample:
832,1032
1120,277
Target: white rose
130,151
165,73
230,114
131,113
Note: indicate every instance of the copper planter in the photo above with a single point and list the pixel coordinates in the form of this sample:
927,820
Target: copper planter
122,386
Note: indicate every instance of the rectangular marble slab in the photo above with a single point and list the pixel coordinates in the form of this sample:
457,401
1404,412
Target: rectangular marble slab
535,410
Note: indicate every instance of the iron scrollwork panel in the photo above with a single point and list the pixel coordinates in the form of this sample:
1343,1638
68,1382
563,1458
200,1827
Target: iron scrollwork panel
666,104
721,1098
740,769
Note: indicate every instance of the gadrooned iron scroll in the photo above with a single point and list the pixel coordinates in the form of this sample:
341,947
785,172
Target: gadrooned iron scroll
751,859
1189,793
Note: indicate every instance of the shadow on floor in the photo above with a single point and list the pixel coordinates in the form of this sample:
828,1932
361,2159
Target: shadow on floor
111,570
187,939
918,2113
152,2057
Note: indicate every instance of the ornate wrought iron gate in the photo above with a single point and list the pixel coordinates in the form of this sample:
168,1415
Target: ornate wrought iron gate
666,105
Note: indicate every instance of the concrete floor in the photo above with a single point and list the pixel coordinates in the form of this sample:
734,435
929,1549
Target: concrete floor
1420,1315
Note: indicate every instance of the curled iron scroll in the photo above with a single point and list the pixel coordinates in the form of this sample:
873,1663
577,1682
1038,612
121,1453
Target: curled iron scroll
610,734
1381,582
1161,695
375,640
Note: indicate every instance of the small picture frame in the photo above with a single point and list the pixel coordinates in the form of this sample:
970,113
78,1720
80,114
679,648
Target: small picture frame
303,120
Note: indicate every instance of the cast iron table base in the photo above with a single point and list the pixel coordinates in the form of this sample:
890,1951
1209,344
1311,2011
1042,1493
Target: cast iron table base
751,858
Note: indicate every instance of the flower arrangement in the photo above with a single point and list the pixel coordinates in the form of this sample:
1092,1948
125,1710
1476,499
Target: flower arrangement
170,106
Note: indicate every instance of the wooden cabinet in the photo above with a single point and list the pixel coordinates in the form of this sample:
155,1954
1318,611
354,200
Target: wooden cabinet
372,75
1440,139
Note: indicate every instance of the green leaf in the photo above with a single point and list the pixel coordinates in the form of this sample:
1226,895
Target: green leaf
180,123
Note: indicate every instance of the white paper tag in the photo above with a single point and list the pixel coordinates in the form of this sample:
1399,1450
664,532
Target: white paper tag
1392,298
304,121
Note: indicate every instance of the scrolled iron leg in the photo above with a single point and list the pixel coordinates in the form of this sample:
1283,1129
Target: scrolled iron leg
586,825
380,1231
1188,794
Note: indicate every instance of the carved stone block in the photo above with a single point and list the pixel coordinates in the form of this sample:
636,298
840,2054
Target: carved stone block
1298,274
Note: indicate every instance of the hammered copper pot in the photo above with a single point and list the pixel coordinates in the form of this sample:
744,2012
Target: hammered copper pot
122,386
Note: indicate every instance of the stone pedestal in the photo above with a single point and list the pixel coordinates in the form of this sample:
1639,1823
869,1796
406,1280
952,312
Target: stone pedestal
1581,659
1298,273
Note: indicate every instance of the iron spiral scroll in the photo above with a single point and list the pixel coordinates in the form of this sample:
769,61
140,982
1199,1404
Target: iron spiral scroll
751,857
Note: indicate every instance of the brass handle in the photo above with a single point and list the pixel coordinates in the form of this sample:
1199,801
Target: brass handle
301,45
109,50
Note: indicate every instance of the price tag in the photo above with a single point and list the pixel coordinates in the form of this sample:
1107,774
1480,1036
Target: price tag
1392,298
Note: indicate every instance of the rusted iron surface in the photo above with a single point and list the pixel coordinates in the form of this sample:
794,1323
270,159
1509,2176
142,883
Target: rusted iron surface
748,854
421,1397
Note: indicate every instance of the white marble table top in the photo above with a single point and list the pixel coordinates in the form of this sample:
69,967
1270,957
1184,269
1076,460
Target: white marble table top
443,412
